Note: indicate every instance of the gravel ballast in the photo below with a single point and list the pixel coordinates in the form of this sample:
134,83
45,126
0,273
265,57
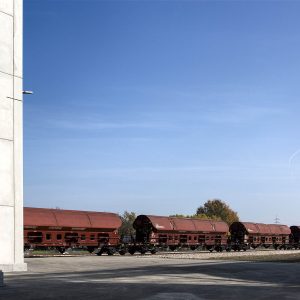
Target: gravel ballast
254,255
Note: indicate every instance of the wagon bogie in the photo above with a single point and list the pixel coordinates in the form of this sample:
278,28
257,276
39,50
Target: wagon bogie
131,250
219,249
236,247
143,250
110,251
99,252
90,249
122,251
172,247
295,246
153,250
228,248
27,247
61,250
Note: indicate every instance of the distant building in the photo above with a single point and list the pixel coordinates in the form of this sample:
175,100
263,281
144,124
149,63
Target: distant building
11,136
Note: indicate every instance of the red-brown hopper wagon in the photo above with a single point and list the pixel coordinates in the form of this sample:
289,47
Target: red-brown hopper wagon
245,235
61,229
154,232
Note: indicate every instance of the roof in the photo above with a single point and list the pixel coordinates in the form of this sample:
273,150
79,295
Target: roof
161,223
295,229
182,224
44,217
267,229
280,229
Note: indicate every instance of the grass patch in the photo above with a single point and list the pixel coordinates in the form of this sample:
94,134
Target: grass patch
55,252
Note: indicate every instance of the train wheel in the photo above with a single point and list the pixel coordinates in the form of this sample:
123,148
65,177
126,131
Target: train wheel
131,251
143,250
61,250
172,248
110,252
153,251
122,252
90,249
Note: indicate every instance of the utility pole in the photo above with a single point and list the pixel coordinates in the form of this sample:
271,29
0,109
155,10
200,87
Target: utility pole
277,220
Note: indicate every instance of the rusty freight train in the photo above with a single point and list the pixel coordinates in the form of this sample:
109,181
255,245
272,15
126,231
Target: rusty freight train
63,229
98,232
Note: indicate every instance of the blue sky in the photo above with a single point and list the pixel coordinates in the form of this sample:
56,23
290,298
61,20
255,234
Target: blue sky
157,106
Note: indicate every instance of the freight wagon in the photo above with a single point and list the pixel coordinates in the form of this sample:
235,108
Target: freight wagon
246,235
61,229
156,232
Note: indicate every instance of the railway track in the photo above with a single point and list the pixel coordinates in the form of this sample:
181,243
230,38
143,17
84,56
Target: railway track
252,255
168,254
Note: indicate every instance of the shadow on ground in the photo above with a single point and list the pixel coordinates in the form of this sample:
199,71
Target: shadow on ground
201,280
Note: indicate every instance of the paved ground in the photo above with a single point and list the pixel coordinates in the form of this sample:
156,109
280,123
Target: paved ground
151,278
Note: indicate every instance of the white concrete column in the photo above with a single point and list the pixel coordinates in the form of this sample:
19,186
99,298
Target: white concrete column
11,136
1,279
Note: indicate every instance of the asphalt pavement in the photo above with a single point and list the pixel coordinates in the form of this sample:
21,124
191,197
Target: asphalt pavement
151,278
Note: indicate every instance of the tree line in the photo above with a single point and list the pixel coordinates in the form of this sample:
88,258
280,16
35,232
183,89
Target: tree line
215,209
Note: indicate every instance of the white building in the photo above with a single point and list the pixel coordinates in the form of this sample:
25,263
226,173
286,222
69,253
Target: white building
11,136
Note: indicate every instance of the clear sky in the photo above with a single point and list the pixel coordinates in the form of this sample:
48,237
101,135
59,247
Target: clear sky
157,106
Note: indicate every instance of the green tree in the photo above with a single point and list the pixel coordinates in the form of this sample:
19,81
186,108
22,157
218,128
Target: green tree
218,209
126,228
180,216
199,216
206,217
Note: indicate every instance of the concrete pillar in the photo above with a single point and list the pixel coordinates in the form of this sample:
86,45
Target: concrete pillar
1,279
11,136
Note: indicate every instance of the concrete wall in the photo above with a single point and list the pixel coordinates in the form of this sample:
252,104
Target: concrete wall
11,136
